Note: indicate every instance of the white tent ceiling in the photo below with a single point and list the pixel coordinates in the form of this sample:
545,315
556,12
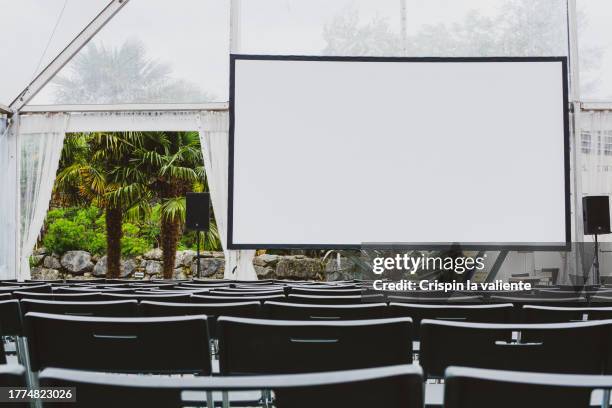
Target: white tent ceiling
190,39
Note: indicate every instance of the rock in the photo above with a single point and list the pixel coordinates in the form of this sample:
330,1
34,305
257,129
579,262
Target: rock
127,267
153,267
208,267
52,262
100,268
347,269
44,274
77,262
266,260
186,258
293,267
264,272
179,274
36,259
155,254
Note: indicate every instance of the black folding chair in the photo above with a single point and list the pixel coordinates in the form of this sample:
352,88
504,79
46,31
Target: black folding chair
577,348
211,310
12,331
13,376
501,313
113,344
258,346
551,314
480,388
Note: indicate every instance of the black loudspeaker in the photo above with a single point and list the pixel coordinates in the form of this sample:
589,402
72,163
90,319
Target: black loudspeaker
198,213
596,215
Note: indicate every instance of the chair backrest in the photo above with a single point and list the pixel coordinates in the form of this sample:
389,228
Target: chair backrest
234,299
480,388
114,308
598,300
577,348
551,314
70,297
10,318
296,311
501,313
335,300
437,300
27,288
211,310
249,293
325,292
257,346
13,376
174,298
533,300
140,344
84,289
385,387
258,289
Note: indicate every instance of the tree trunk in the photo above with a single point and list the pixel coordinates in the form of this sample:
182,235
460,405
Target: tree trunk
170,234
114,220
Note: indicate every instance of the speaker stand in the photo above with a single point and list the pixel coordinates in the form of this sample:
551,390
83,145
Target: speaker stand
198,253
596,277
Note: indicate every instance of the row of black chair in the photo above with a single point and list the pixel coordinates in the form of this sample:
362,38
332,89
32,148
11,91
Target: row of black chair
262,346
399,386
12,310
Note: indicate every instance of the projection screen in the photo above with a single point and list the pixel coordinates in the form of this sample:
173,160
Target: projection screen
337,152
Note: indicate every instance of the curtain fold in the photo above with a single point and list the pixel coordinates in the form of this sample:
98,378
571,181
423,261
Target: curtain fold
213,128
8,201
41,141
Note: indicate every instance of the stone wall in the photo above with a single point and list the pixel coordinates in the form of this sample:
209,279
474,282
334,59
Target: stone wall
149,266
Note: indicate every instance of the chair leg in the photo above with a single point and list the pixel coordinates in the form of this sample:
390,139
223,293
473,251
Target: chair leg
266,397
210,402
605,402
225,397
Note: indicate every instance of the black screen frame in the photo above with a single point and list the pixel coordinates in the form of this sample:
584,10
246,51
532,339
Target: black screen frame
566,246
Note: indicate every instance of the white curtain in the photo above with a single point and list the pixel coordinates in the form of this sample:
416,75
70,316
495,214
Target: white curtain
8,201
41,139
213,130
596,171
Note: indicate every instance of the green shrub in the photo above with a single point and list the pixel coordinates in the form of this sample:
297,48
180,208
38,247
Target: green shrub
64,235
133,243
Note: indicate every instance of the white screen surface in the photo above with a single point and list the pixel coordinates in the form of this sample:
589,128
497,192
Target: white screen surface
340,153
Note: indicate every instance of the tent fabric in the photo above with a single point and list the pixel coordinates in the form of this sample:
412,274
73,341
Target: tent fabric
8,207
214,128
42,140
152,121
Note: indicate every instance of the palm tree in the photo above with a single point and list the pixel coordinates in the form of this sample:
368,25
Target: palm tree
95,169
121,74
173,164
